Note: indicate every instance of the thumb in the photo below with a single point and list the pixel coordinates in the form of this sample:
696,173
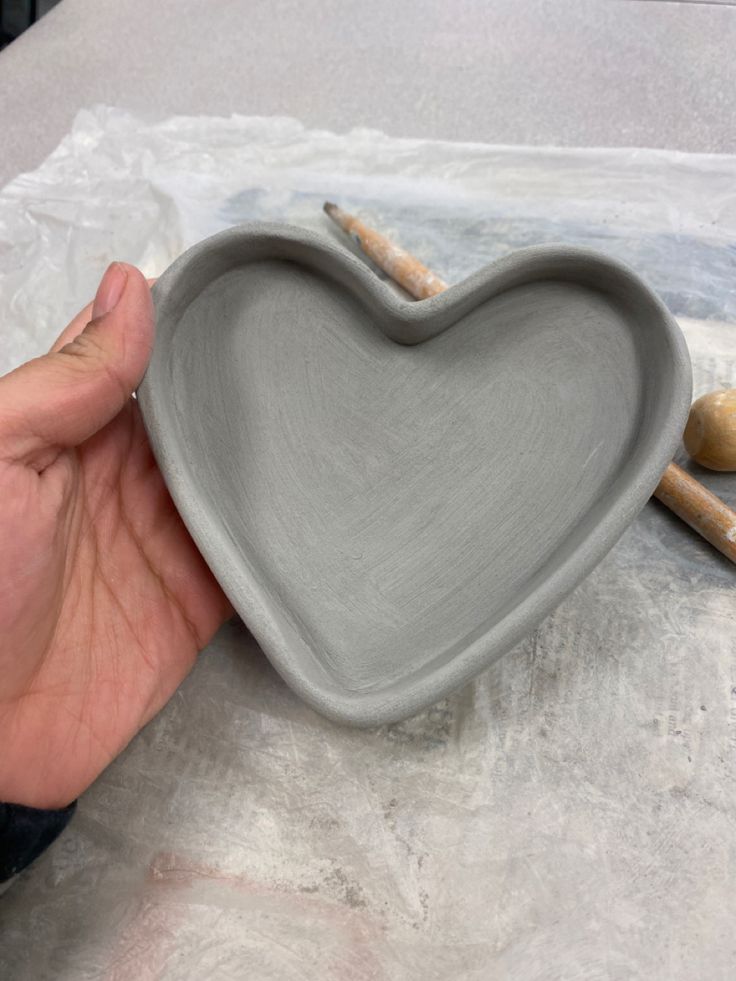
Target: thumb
59,400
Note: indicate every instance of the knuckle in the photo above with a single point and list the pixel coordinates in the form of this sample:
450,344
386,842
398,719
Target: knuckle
86,345
87,352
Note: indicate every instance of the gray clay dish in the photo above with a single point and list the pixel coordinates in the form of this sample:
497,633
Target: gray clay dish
392,493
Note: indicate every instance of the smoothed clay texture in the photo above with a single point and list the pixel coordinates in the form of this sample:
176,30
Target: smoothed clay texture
392,493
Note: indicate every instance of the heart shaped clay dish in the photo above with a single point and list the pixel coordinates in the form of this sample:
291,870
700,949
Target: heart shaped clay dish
392,493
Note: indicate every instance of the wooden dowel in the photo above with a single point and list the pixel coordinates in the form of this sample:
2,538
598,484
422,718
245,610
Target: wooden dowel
699,508
706,513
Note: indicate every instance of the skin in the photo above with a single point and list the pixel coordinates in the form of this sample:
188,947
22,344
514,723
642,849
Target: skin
104,599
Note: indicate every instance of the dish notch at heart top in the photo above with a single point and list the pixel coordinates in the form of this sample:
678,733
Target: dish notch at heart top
392,493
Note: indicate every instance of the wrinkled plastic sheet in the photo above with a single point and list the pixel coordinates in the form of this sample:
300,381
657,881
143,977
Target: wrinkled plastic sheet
572,812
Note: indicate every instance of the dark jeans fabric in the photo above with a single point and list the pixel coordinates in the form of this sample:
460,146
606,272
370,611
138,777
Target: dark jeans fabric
25,832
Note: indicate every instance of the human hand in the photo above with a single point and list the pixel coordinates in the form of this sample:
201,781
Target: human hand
104,599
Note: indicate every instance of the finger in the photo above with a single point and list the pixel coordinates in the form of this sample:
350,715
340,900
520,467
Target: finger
66,396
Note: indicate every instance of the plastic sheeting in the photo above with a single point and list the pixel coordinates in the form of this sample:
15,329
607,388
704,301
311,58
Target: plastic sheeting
571,812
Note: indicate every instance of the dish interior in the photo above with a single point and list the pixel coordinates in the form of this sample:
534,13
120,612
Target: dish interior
395,502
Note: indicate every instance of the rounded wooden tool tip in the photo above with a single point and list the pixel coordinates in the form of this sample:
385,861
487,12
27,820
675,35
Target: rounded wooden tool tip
710,434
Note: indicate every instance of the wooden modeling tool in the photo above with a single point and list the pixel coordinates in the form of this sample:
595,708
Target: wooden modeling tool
402,267
706,513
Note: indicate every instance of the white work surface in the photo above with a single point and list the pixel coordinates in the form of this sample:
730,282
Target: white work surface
570,814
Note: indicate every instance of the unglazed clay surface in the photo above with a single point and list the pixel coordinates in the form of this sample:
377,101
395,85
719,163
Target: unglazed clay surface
390,492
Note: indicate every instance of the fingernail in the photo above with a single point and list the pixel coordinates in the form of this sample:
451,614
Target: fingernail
110,289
